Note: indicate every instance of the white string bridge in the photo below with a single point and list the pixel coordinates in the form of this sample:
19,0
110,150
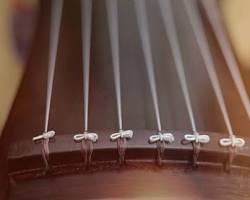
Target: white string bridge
232,141
197,138
128,134
93,137
163,137
44,136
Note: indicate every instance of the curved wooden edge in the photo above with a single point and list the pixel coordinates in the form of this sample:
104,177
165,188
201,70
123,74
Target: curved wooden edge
26,155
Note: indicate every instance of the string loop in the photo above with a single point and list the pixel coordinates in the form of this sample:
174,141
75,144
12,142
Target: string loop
197,138
232,141
121,137
87,139
163,137
46,135
128,134
93,137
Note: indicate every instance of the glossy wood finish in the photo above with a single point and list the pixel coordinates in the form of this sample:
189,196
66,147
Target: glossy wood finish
27,116
138,182
24,157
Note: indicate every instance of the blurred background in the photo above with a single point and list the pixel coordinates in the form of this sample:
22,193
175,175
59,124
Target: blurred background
18,23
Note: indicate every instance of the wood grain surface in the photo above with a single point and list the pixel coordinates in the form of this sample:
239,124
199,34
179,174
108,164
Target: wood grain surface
27,115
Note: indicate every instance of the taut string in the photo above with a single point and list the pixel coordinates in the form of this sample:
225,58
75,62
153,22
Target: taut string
141,15
170,28
121,136
198,29
56,15
213,14
86,138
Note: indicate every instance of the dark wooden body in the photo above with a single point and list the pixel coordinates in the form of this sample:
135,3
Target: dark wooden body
20,158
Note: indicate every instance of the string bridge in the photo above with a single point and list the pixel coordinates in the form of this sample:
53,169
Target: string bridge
87,139
196,139
45,138
232,143
161,139
121,137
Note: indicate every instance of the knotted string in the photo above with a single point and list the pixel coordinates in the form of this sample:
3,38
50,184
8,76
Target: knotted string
45,137
196,139
171,32
93,137
232,141
87,140
56,13
161,139
128,134
121,137
200,36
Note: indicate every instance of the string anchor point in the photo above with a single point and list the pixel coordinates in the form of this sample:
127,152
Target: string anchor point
45,138
86,139
232,143
161,139
121,137
197,140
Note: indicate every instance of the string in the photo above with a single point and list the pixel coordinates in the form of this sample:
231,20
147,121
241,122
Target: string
169,25
197,26
214,17
112,12
86,138
56,13
145,39
232,142
86,17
